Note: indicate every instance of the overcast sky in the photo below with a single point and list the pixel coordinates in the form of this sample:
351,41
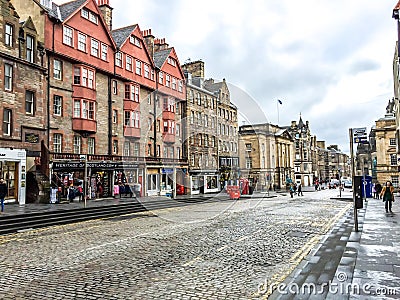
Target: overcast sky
331,61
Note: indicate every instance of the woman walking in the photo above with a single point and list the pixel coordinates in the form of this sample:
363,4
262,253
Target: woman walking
3,193
387,194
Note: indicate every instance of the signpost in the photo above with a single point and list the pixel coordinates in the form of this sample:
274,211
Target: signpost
85,185
357,135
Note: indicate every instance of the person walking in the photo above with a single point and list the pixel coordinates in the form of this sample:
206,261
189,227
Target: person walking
3,193
378,188
291,190
387,194
374,191
299,190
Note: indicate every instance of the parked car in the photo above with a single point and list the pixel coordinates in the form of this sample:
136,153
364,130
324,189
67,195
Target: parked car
348,184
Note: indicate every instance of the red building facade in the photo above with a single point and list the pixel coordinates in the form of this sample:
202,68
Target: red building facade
109,102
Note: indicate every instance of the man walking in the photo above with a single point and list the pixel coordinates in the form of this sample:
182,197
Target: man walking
3,193
300,191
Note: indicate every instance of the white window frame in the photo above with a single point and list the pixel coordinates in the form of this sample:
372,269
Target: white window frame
128,62
77,144
115,87
85,13
57,69
93,18
91,141
82,41
138,67
8,77
57,142
118,59
9,34
127,149
136,149
68,36
57,105
95,47
7,121
30,48
104,52
29,102
173,83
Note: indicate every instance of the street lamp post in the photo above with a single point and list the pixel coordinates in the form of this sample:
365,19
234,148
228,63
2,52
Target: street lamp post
85,185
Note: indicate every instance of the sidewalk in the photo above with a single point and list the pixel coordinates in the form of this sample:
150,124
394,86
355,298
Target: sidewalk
351,265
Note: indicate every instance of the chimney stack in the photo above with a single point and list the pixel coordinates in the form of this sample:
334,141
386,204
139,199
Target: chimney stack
106,10
149,41
196,68
160,44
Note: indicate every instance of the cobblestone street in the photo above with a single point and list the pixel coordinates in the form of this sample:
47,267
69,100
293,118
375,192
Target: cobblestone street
223,250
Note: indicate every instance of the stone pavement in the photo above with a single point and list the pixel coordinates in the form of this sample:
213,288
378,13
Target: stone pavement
351,265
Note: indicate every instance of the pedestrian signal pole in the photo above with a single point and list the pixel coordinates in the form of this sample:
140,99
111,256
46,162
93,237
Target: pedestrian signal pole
353,180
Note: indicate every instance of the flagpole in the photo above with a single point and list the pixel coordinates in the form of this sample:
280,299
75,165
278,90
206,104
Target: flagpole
277,109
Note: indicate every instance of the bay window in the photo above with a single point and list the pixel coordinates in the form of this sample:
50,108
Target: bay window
84,77
84,109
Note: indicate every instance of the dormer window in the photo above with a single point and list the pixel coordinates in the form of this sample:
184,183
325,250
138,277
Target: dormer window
47,3
85,13
135,41
171,61
88,15
92,18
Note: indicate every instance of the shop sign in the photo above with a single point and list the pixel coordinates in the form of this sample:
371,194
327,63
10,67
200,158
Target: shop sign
31,138
93,165
167,170
68,165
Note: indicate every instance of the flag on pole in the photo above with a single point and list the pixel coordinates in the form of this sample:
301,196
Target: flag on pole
279,101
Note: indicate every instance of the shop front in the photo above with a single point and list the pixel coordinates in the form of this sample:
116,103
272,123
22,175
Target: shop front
166,181
102,177
13,171
203,182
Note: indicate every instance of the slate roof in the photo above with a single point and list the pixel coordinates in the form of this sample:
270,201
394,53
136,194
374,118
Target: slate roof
121,34
161,56
69,8
213,87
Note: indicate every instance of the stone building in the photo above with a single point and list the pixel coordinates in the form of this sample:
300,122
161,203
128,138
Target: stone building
303,163
165,142
386,153
322,162
266,155
23,100
227,131
202,139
